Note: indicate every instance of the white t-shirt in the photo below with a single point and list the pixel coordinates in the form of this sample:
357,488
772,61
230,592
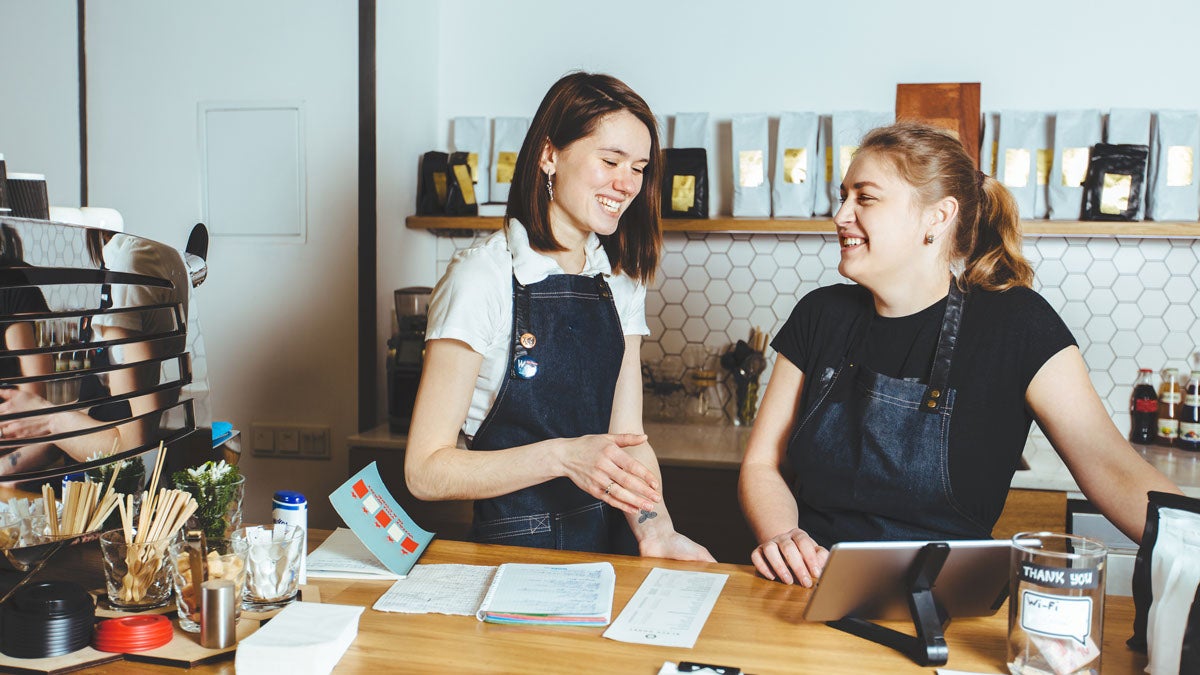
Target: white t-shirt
473,303
124,253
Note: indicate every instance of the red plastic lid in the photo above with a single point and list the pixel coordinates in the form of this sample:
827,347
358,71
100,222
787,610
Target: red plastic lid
133,633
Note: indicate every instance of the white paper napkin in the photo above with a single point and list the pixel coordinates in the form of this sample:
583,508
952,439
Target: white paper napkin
304,638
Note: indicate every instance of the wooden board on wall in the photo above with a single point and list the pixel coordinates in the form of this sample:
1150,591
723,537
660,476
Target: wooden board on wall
949,105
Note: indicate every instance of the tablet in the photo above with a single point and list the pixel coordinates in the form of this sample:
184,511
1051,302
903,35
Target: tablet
867,580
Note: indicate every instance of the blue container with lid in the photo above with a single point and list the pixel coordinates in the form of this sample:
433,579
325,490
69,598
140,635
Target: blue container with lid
289,507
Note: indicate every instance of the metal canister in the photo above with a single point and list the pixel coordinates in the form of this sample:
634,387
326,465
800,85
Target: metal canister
291,508
218,614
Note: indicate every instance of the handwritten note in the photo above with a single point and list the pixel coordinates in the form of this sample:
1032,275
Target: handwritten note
1056,615
438,589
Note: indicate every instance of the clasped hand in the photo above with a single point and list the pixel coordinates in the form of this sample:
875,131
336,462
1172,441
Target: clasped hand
791,557
16,400
599,465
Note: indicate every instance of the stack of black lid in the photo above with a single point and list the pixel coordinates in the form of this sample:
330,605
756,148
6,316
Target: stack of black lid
45,619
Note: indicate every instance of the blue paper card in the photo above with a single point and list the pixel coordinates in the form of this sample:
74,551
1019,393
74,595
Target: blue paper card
371,512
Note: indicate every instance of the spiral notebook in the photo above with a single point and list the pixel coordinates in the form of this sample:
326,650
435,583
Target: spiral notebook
562,595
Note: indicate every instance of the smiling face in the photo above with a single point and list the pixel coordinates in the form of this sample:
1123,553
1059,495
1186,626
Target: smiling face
596,177
880,223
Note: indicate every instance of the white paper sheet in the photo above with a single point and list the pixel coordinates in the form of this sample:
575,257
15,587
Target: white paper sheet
438,589
668,609
343,556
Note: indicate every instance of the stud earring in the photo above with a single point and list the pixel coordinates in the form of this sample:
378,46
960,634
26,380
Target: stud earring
550,187
929,238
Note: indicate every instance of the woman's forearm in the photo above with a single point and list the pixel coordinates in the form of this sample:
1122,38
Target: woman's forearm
767,501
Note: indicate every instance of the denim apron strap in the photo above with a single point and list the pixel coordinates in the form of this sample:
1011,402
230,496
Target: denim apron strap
565,354
872,456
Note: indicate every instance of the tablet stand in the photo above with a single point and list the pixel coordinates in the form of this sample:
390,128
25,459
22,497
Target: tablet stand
928,646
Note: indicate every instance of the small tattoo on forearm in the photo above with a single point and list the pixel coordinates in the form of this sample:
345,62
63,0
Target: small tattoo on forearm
647,514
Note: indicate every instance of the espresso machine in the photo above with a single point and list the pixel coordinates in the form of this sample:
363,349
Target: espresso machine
406,355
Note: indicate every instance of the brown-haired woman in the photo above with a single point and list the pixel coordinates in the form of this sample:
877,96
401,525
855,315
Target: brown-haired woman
534,339
899,407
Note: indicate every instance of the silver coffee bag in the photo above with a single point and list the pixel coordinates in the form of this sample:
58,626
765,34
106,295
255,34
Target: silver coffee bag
1129,126
796,165
508,133
822,204
1018,141
470,136
1171,191
1075,132
751,149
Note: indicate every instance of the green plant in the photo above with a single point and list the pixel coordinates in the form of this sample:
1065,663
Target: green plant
214,485
129,480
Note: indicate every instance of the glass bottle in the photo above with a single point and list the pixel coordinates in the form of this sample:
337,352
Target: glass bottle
1189,412
1143,409
1170,398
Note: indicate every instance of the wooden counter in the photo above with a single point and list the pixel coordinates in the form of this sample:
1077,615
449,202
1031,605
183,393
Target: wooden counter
756,625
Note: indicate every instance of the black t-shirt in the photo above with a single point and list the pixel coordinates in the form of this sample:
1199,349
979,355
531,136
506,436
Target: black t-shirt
13,302
1004,339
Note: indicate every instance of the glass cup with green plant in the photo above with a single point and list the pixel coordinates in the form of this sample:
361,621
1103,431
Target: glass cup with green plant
218,489
129,482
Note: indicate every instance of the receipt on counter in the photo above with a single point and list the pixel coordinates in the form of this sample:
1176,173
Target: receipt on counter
668,609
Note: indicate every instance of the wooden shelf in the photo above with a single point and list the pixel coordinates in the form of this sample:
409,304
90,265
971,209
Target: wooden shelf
725,224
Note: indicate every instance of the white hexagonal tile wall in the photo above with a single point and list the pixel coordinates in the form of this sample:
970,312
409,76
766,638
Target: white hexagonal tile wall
1051,272
695,304
741,254
673,316
787,254
695,255
1178,346
1101,301
718,266
1102,273
740,280
1128,301
1153,302
740,305
717,318
695,278
1102,248
1128,260
1077,258
1127,288
718,291
695,329
1154,274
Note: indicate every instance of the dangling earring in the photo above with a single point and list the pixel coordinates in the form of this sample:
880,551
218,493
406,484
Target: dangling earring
929,238
550,186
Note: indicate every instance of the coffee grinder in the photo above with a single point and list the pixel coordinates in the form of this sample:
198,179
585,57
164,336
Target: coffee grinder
406,355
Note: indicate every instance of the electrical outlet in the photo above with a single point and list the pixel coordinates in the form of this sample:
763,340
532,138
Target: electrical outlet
287,441
314,442
292,441
262,440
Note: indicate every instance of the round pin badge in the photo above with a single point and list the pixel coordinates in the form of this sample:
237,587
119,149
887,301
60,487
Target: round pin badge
526,367
528,340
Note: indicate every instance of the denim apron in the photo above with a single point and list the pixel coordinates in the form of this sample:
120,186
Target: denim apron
871,453
564,358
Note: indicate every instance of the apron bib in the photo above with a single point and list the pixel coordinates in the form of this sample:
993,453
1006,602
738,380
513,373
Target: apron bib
872,452
564,358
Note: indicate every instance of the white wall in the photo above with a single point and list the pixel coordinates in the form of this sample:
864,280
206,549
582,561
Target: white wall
726,57
407,54
39,94
279,319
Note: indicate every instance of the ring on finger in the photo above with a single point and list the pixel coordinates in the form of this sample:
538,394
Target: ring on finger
608,489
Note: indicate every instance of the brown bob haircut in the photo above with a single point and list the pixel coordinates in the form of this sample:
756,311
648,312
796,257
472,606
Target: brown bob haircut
570,111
